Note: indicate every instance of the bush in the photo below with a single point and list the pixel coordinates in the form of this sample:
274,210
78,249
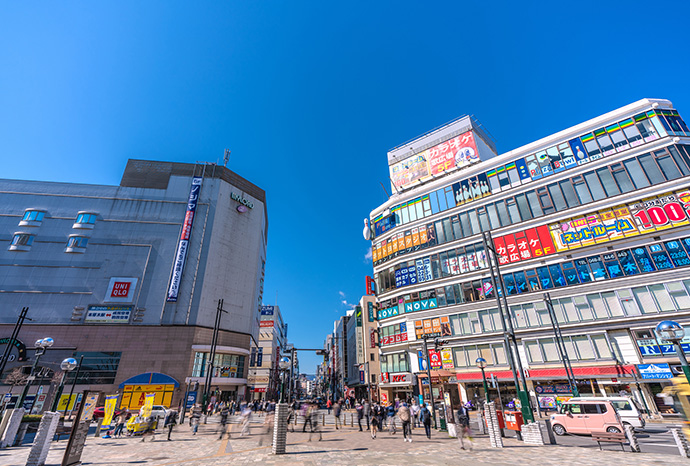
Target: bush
32,418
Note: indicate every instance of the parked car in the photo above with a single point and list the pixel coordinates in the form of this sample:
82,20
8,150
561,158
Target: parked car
586,417
159,411
100,412
627,408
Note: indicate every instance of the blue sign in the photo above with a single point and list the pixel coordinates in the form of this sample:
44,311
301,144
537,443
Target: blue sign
191,399
655,371
266,310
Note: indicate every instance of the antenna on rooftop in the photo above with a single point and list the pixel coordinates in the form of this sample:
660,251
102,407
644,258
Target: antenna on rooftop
226,157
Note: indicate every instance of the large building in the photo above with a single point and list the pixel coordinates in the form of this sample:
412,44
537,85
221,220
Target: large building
597,215
130,277
264,376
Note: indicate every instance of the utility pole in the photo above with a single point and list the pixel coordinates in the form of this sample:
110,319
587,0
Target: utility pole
13,338
212,355
560,345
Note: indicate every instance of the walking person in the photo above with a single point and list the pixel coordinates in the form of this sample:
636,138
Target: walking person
463,427
425,418
329,405
170,421
120,423
195,418
314,414
376,416
224,413
246,418
405,417
390,414
366,408
305,410
414,412
336,414
150,429
360,414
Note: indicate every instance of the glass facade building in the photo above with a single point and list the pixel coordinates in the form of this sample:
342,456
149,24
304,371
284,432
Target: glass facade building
597,215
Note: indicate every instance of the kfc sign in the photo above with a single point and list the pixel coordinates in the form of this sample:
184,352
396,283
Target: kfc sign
385,377
403,378
120,290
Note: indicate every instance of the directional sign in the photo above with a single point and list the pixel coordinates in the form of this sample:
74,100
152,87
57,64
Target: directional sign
655,371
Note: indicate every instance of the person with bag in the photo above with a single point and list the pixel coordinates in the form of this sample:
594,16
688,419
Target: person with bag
390,414
425,417
360,414
376,419
170,421
463,426
405,417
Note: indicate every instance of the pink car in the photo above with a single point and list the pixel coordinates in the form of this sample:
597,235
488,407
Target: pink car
586,417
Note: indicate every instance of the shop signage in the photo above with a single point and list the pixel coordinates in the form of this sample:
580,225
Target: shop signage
241,200
552,389
402,378
267,310
266,323
651,347
655,371
183,244
435,359
108,314
191,399
385,378
17,345
120,290
260,390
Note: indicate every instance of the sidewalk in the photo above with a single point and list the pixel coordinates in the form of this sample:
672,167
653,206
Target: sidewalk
339,447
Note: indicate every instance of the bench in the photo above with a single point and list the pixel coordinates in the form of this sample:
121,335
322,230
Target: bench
610,437
60,430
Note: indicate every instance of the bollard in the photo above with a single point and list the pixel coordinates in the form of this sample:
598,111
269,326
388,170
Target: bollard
45,433
549,432
323,419
492,424
352,420
681,442
632,439
98,427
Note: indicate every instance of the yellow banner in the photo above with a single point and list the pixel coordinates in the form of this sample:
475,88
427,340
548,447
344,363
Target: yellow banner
148,405
110,402
62,405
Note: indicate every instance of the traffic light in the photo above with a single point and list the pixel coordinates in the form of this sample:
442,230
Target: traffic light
439,343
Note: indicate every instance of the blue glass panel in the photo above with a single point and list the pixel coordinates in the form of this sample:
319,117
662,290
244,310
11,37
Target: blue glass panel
643,260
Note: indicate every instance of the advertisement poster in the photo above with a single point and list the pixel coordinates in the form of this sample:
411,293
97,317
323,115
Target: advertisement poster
183,244
447,359
471,189
409,170
108,314
435,359
148,405
109,408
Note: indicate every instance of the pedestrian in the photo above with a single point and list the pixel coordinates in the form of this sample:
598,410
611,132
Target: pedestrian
463,426
366,408
376,415
405,417
195,418
246,418
170,421
150,430
305,410
425,418
224,413
390,414
360,414
269,422
314,414
336,413
414,412
120,423
329,405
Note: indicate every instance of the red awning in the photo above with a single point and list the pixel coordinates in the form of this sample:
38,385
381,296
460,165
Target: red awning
591,372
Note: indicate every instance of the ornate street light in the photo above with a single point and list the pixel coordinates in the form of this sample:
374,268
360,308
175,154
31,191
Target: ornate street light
67,365
284,365
481,363
41,346
669,330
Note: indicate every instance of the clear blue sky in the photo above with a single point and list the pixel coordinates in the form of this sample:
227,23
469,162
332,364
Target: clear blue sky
309,96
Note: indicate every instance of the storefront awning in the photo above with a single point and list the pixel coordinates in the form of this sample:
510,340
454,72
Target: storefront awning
591,372
150,378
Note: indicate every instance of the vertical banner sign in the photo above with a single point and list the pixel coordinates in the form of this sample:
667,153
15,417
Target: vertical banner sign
110,402
80,428
148,405
183,244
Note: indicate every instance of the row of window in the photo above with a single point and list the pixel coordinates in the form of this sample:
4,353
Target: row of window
23,242
605,141
34,217
619,178
396,362
224,365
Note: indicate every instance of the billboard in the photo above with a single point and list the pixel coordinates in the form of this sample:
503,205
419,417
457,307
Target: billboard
459,151
120,290
266,323
267,310
108,314
183,244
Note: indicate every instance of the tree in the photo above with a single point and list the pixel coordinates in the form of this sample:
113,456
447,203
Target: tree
16,377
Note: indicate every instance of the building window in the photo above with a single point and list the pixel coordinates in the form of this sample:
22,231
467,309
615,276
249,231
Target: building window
32,218
97,368
224,366
77,244
21,242
85,220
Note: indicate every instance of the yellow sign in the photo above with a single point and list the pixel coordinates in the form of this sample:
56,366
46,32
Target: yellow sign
134,396
148,405
62,405
110,402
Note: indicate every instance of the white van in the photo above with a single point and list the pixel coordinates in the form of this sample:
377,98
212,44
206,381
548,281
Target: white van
627,408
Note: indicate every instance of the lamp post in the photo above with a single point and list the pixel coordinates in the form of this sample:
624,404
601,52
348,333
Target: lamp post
481,363
669,330
74,382
281,415
41,346
67,365
284,365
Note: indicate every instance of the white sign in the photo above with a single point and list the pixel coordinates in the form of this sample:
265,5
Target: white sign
121,290
108,314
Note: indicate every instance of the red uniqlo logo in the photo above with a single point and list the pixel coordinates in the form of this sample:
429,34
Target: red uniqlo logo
120,290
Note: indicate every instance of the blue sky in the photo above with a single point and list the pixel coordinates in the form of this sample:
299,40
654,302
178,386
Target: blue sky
310,96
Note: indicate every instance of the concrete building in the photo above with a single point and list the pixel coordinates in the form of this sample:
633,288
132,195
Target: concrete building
264,380
596,215
130,276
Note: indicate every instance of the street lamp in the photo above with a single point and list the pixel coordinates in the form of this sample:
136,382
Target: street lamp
669,330
67,365
481,363
41,346
284,365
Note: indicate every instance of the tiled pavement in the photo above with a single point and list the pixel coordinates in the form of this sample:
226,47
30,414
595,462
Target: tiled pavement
346,446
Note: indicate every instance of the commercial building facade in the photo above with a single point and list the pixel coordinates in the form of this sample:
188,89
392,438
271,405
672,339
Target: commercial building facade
130,277
264,376
597,215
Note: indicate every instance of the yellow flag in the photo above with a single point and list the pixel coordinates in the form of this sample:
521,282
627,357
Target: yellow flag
148,405
109,408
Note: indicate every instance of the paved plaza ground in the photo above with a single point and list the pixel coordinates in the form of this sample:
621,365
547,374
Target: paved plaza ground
346,446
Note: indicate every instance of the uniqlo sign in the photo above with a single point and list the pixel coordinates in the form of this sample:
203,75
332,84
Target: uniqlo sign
121,290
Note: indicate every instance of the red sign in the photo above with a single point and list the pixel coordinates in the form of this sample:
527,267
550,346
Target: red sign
370,286
260,390
266,323
372,337
187,225
385,377
456,152
120,290
524,245
435,359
